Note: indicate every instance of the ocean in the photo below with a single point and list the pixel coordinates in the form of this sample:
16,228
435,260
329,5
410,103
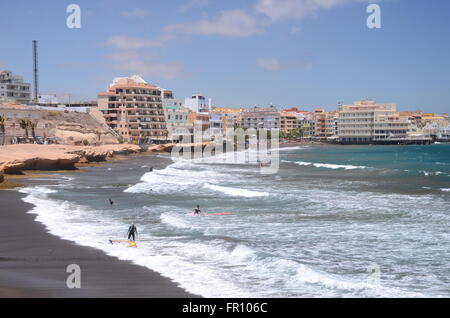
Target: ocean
335,221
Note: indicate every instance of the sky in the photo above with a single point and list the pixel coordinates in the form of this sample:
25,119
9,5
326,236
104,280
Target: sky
240,53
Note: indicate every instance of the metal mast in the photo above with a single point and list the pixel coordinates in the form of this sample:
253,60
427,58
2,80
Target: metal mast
35,71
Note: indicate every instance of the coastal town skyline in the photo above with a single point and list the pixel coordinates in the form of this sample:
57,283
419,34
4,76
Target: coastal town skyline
150,45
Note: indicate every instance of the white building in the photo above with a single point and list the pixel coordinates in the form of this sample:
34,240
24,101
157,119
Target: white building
13,88
256,117
49,99
198,103
367,121
216,124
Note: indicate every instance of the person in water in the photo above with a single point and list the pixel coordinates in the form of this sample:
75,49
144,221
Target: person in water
197,210
132,232
111,202
151,169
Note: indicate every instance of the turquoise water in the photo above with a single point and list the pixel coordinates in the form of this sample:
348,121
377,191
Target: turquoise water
333,222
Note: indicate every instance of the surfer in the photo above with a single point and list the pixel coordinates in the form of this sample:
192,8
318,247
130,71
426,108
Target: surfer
111,202
151,169
197,210
132,232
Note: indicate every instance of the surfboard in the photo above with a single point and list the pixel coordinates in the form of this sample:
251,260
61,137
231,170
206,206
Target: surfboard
130,243
212,214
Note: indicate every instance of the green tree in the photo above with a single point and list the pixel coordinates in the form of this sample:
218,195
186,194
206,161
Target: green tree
24,124
2,128
99,135
166,134
32,125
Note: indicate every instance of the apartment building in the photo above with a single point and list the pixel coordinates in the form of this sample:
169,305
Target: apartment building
230,117
198,103
304,121
13,88
367,121
133,108
257,117
176,114
216,127
325,124
288,122
203,119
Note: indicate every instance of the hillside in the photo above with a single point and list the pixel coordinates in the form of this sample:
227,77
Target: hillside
67,127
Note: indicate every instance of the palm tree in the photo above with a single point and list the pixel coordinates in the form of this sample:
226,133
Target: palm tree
166,134
24,124
32,125
2,128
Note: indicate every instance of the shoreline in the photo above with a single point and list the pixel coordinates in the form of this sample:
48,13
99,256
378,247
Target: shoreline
28,161
33,263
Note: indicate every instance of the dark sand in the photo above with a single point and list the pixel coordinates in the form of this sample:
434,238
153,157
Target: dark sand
33,263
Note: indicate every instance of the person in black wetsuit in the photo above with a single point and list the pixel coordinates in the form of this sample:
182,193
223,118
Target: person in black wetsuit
132,232
111,202
197,210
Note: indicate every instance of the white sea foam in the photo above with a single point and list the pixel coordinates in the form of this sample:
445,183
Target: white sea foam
171,220
329,166
215,262
433,173
196,266
178,176
445,189
302,163
289,148
172,259
236,192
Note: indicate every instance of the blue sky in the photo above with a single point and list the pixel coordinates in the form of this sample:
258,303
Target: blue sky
302,53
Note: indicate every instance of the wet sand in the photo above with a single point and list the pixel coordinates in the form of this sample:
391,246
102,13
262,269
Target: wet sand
33,263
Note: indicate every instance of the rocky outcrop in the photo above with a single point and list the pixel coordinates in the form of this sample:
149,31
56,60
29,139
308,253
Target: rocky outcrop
160,148
2,178
16,158
61,162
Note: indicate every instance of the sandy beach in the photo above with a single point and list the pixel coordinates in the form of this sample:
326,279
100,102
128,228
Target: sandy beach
33,263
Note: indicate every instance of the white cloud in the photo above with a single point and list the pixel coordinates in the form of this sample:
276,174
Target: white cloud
273,64
280,10
295,30
193,4
135,13
123,56
143,68
269,64
301,65
134,63
128,43
232,23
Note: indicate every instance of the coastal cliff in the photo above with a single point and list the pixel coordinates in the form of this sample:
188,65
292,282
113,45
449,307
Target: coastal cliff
14,159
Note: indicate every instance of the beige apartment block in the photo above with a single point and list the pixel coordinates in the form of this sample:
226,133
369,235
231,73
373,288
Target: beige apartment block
367,121
325,124
133,108
289,122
